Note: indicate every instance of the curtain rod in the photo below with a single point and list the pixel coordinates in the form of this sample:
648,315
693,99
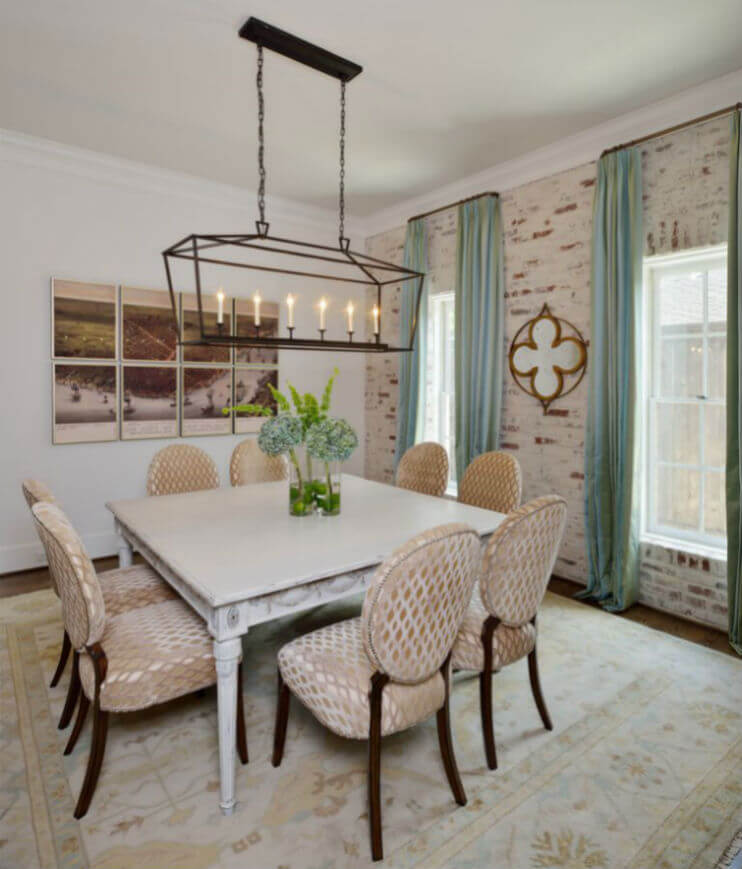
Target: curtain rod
452,205
674,129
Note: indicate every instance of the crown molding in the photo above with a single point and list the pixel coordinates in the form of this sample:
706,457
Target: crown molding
27,150
568,153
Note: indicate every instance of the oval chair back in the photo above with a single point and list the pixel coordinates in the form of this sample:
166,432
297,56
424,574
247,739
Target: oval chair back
416,602
424,468
519,558
249,464
492,481
83,609
181,468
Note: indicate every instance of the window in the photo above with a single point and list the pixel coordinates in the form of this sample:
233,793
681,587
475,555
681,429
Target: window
685,397
439,421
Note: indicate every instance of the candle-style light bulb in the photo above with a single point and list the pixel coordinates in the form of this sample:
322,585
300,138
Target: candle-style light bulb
220,306
322,310
290,304
349,311
375,313
256,300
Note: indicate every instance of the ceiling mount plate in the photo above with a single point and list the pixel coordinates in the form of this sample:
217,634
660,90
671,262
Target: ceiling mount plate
297,49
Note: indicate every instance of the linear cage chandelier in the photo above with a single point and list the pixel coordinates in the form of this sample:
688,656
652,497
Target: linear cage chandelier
263,252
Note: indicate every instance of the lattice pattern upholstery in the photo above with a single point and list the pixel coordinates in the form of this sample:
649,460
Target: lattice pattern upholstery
181,468
508,644
519,558
129,588
82,600
330,673
154,654
492,481
35,491
516,568
411,614
424,468
416,601
249,464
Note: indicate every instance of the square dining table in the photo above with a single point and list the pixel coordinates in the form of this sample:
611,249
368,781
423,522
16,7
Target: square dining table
239,559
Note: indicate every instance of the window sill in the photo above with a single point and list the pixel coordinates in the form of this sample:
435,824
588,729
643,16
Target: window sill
687,547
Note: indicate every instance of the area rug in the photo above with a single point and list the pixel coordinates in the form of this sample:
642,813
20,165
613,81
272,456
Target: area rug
643,768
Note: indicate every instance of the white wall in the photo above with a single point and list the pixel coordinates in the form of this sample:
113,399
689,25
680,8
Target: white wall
77,215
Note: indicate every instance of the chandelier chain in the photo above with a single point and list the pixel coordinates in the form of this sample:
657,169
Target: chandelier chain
261,137
341,202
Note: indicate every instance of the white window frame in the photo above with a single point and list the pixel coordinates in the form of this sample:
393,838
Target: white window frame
698,542
433,350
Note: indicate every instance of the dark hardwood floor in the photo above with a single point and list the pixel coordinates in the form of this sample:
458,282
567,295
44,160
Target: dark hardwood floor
32,580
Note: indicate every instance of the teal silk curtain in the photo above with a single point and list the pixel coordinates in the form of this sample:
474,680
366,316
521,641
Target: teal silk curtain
612,481
410,413
734,381
480,314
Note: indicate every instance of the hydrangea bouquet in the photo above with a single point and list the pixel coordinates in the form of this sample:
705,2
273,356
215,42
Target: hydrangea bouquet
304,425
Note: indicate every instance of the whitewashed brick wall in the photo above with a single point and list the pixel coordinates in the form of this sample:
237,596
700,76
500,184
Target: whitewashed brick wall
548,226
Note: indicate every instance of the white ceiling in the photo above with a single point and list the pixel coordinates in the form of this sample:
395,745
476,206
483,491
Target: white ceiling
448,89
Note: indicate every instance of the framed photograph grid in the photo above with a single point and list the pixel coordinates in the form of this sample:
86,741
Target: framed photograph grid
118,371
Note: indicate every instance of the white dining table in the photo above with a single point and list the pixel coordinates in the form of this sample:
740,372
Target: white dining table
239,559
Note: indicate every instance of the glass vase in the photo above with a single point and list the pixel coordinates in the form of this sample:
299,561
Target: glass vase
302,485
327,488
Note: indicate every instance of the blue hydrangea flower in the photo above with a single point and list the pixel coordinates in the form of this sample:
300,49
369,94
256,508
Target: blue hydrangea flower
280,434
331,440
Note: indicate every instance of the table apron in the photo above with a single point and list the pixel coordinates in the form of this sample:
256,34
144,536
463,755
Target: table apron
234,620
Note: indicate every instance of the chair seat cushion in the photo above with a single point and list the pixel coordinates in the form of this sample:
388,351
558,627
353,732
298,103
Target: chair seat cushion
509,644
329,672
154,654
128,588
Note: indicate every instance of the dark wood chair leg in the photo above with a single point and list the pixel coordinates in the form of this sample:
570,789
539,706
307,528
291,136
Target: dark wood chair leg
443,720
241,733
536,689
100,731
485,692
95,761
378,681
63,655
73,692
282,718
82,711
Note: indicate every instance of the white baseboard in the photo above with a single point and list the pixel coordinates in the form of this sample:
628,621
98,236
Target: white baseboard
26,556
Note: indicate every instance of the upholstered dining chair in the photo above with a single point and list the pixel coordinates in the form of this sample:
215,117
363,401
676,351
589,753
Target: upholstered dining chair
368,677
499,627
122,588
181,468
424,468
493,481
249,464
127,662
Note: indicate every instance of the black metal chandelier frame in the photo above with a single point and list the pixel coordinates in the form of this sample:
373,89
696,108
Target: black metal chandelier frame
222,249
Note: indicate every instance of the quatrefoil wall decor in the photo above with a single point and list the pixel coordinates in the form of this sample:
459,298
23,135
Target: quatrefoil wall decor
548,357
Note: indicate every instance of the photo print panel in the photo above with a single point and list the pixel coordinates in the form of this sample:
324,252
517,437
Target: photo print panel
204,394
148,329
83,320
84,403
192,331
251,387
149,402
268,328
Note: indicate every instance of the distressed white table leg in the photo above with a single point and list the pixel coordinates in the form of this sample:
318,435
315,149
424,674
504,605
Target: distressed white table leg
125,550
227,654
